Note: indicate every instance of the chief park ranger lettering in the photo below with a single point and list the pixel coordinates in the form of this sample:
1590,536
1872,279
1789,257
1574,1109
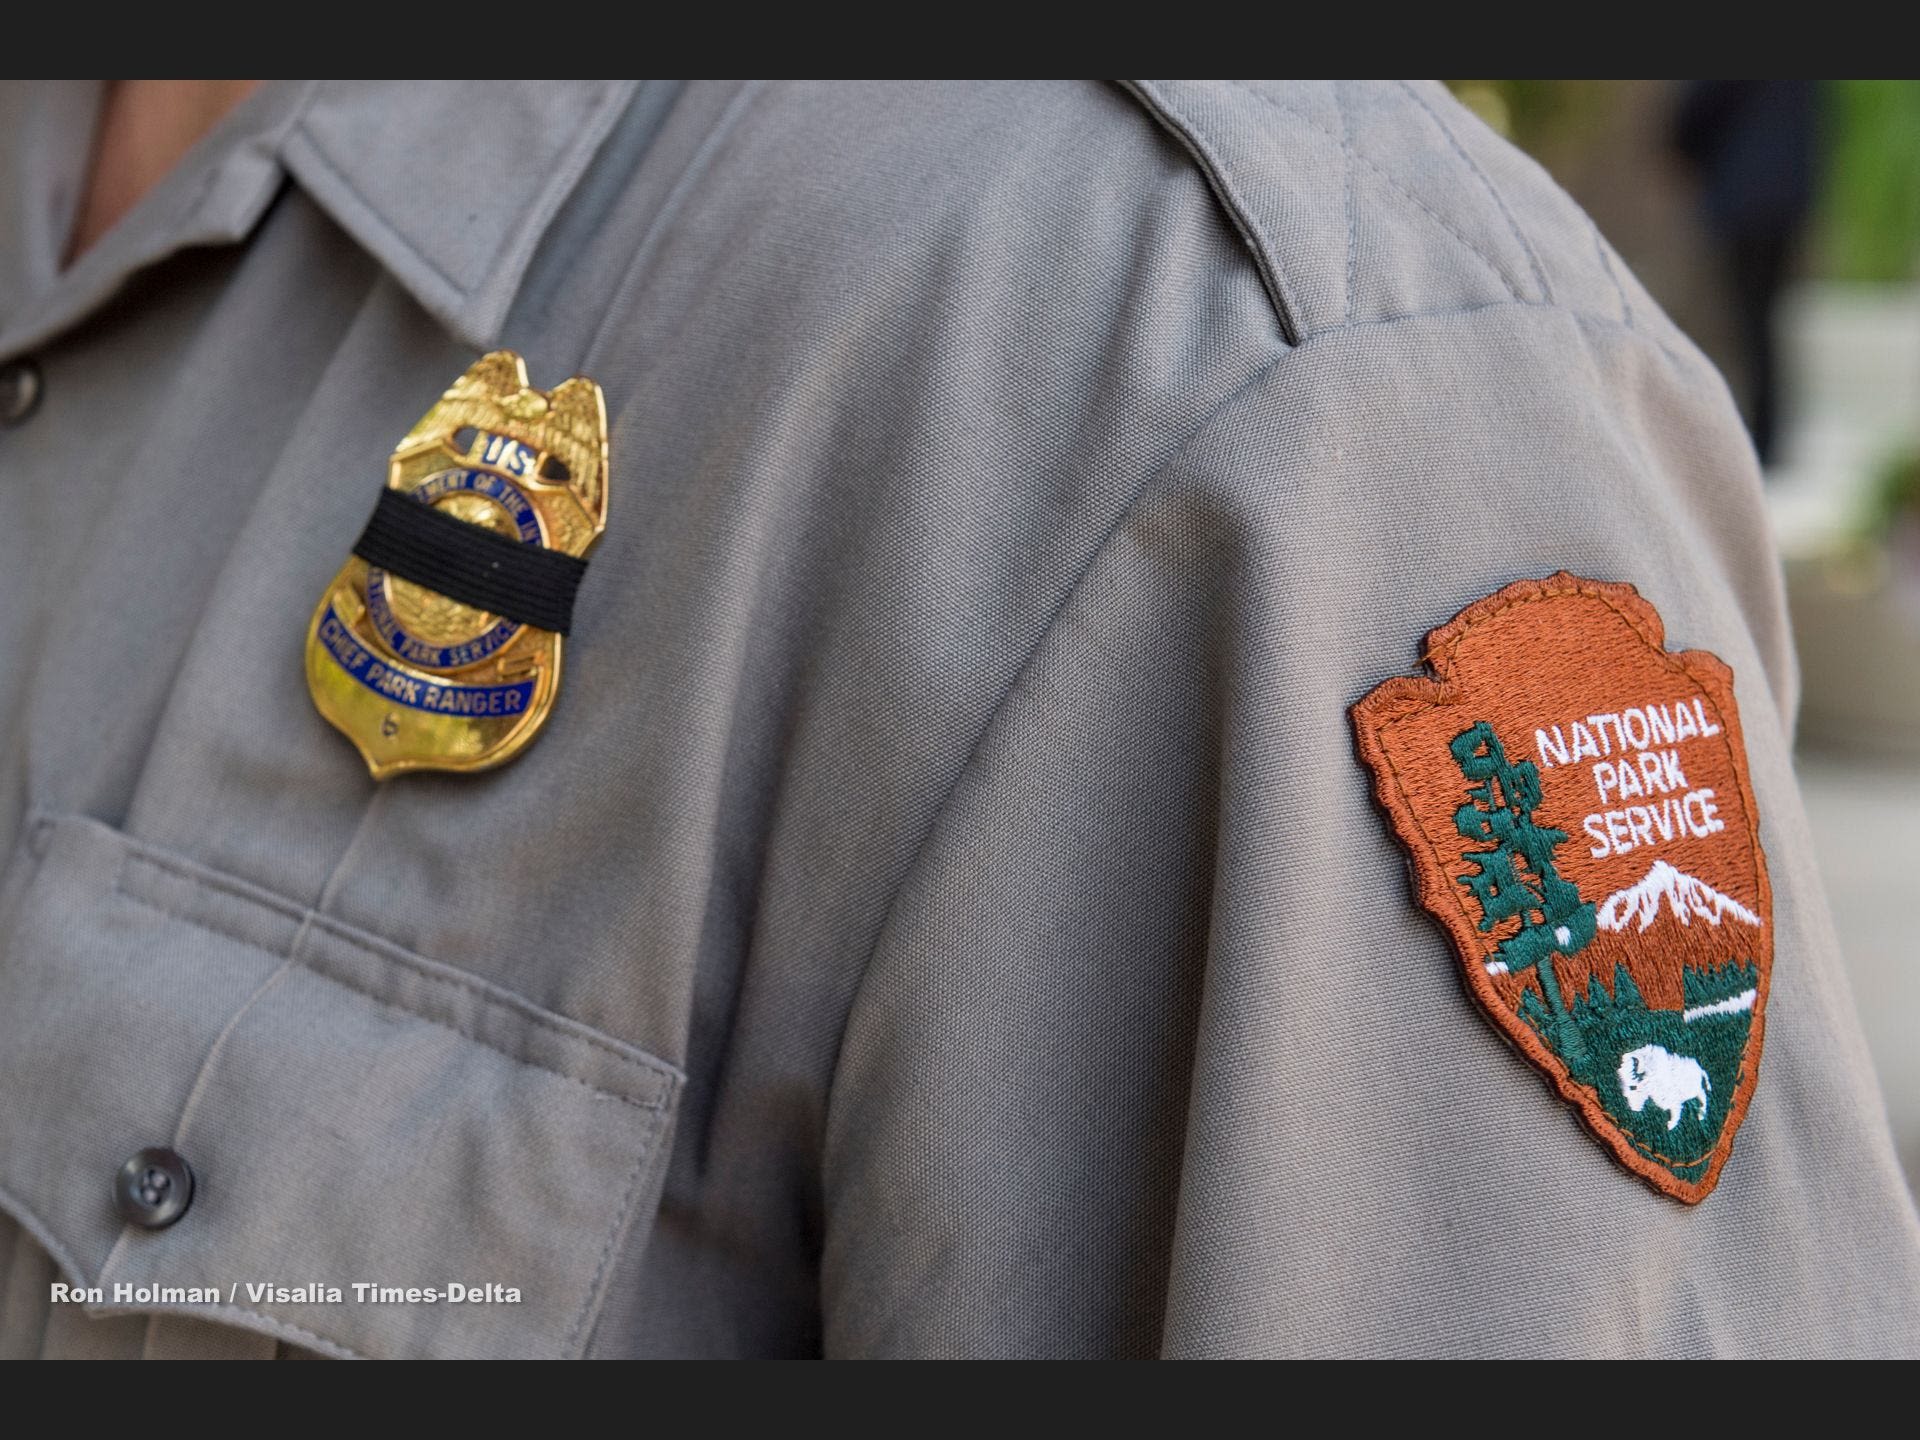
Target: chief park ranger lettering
474,699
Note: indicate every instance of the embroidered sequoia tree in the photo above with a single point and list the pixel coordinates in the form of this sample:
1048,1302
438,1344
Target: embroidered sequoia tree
1517,878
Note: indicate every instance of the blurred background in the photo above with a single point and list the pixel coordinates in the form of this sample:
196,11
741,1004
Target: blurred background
1778,222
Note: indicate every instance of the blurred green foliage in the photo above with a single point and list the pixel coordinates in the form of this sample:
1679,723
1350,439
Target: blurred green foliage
1892,499
1537,115
1869,226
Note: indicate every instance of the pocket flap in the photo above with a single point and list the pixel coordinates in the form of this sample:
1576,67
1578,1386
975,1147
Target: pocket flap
355,1115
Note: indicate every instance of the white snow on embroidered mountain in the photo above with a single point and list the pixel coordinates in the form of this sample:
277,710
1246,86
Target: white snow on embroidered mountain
1684,895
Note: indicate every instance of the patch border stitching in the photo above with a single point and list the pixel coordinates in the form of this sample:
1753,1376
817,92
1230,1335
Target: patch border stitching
1402,696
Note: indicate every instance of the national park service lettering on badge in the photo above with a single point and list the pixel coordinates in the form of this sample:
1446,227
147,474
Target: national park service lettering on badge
1576,803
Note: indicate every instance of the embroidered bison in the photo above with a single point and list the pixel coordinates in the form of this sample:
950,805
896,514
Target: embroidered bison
1670,1081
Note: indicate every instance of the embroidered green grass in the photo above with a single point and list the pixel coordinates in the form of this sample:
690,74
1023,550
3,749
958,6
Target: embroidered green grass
1614,1025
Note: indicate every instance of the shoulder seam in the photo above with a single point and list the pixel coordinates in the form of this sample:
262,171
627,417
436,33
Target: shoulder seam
1258,375
1494,267
882,932
1499,200
1220,180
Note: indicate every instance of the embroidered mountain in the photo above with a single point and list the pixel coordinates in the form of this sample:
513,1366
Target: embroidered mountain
1686,896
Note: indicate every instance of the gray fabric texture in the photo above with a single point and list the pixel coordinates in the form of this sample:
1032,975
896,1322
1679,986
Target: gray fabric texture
944,915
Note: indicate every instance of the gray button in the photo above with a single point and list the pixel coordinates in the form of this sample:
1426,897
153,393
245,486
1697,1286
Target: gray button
20,387
153,1189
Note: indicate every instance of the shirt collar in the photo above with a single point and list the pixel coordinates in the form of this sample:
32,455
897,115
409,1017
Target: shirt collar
448,184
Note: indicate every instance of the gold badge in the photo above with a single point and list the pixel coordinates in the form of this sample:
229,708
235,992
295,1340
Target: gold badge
437,646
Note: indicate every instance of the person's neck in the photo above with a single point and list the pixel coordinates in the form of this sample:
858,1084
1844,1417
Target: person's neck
145,128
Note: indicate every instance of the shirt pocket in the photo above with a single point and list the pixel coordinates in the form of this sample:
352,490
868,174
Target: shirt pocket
353,1114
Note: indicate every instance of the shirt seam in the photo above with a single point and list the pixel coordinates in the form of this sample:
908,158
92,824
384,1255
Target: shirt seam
1200,427
1493,193
1494,267
1226,192
1203,426
660,223
1245,222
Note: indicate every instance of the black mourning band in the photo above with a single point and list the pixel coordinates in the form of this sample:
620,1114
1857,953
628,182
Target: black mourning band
471,564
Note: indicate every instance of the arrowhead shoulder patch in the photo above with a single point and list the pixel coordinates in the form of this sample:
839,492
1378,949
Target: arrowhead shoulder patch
1576,803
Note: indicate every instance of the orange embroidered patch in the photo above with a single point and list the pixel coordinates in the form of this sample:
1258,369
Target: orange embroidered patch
1577,805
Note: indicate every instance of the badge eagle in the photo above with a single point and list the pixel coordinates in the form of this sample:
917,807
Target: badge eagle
1576,802
421,681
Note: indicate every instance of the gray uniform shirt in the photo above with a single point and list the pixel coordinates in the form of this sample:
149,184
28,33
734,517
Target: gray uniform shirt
944,914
